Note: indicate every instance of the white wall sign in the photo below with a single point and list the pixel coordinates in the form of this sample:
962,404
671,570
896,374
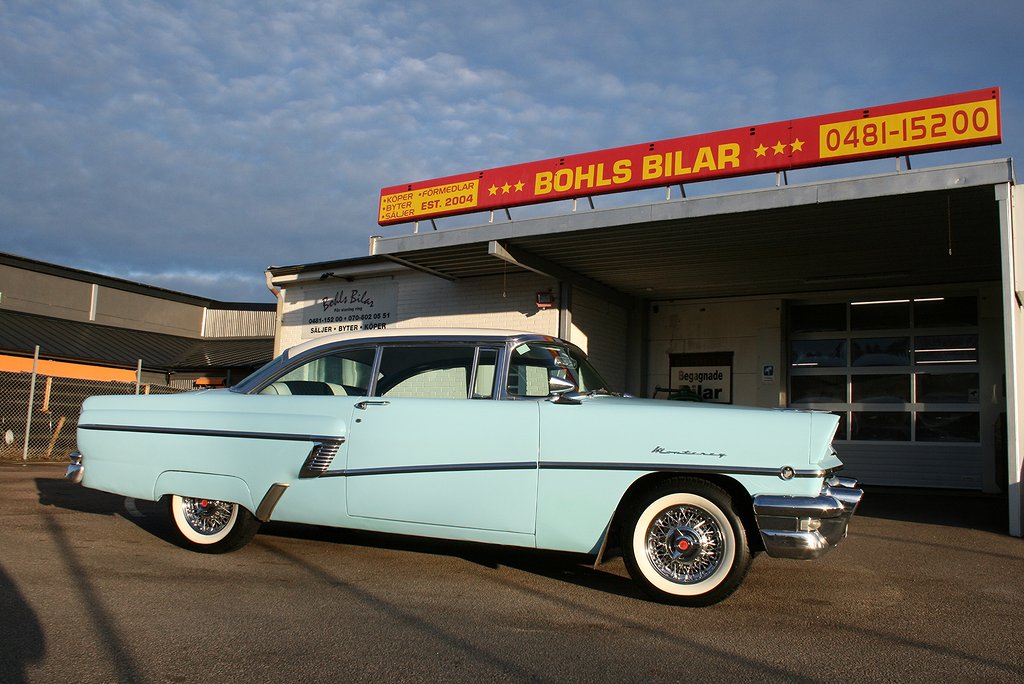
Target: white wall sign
703,376
346,307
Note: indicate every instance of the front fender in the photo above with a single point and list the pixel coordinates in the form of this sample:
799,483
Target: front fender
204,486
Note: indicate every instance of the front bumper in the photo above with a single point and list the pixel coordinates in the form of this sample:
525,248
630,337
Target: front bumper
76,470
806,527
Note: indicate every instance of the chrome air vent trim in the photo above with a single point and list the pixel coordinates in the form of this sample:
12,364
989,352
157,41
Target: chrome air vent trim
320,458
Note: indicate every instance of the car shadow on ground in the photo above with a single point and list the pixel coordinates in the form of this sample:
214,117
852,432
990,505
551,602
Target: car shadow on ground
949,507
572,568
150,516
954,508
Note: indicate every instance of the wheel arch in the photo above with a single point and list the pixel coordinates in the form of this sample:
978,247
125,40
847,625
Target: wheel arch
204,486
742,502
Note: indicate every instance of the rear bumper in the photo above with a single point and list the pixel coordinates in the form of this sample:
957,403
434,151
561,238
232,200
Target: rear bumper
76,470
806,527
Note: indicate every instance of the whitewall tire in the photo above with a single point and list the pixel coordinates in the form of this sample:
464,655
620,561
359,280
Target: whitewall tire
211,526
684,543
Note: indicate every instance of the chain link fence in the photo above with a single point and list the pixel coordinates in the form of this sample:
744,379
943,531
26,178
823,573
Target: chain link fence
51,422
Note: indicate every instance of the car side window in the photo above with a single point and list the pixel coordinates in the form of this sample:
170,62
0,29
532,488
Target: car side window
533,363
345,373
436,372
526,380
486,367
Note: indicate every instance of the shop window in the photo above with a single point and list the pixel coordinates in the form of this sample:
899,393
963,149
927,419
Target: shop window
882,315
817,318
818,353
880,351
880,389
948,426
945,312
915,380
886,426
841,430
819,389
935,349
952,388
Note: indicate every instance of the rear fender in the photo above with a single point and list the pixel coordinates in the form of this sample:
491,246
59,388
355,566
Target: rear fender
204,486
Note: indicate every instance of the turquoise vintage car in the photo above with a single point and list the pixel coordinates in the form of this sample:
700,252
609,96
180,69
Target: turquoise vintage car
484,435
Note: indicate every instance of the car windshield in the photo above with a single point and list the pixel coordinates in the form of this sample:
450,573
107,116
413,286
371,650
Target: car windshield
534,363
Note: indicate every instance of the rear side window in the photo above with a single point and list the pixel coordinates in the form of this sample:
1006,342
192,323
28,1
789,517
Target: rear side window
345,373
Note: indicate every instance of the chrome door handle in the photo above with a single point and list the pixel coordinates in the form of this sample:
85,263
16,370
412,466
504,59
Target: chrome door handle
363,404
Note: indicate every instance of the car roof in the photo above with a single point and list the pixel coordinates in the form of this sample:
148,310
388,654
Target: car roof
413,334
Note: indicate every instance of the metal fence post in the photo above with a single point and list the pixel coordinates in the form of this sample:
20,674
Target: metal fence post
138,377
31,400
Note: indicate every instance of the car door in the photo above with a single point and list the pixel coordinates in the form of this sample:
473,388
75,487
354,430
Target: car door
433,446
316,398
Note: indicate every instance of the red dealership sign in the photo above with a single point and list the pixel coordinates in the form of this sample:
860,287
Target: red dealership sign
937,123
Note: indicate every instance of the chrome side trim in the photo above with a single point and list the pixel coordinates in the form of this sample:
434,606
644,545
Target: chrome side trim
439,468
564,465
604,543
270,499
199,432
676,468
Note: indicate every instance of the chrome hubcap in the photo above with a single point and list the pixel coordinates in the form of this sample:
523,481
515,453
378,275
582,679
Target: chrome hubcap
685,544
206,516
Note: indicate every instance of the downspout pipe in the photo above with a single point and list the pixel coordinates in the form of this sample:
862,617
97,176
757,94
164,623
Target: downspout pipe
279,315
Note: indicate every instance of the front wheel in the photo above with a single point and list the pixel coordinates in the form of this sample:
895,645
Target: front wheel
210,526
684,543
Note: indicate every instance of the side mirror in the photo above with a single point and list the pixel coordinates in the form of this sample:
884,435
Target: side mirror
559,390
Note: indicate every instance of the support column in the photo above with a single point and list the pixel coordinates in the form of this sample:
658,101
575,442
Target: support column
1011,224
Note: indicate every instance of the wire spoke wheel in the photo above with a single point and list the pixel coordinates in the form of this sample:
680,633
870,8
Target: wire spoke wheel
684,543
206,516
210,525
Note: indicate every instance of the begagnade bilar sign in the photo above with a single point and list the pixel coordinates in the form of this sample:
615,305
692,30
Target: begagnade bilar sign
938,123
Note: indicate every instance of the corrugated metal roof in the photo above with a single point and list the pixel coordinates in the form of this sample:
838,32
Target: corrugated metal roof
106,345
59,271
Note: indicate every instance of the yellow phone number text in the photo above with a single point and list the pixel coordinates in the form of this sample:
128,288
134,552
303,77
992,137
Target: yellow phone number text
936,126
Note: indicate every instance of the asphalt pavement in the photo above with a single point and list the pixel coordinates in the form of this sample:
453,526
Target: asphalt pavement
928,587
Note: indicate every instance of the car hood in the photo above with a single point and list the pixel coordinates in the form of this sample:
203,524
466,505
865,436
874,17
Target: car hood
660,430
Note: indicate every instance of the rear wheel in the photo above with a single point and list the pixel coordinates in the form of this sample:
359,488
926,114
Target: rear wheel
685,544
211,526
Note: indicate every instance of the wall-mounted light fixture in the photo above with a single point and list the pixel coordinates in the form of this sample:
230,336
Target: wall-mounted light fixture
545,300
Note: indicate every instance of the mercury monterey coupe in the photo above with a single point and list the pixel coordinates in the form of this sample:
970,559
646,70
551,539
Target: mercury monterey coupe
482,435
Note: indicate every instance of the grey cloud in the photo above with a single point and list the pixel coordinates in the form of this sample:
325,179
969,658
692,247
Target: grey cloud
196,142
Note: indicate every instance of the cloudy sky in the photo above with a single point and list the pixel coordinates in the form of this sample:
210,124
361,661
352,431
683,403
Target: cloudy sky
191,144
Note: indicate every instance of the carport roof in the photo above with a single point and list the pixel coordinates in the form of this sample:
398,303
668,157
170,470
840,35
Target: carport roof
928,226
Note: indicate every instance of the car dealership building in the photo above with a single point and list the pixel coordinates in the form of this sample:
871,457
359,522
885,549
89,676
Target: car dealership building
893,300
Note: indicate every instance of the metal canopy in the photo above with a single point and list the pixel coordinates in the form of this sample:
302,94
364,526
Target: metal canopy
928,226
